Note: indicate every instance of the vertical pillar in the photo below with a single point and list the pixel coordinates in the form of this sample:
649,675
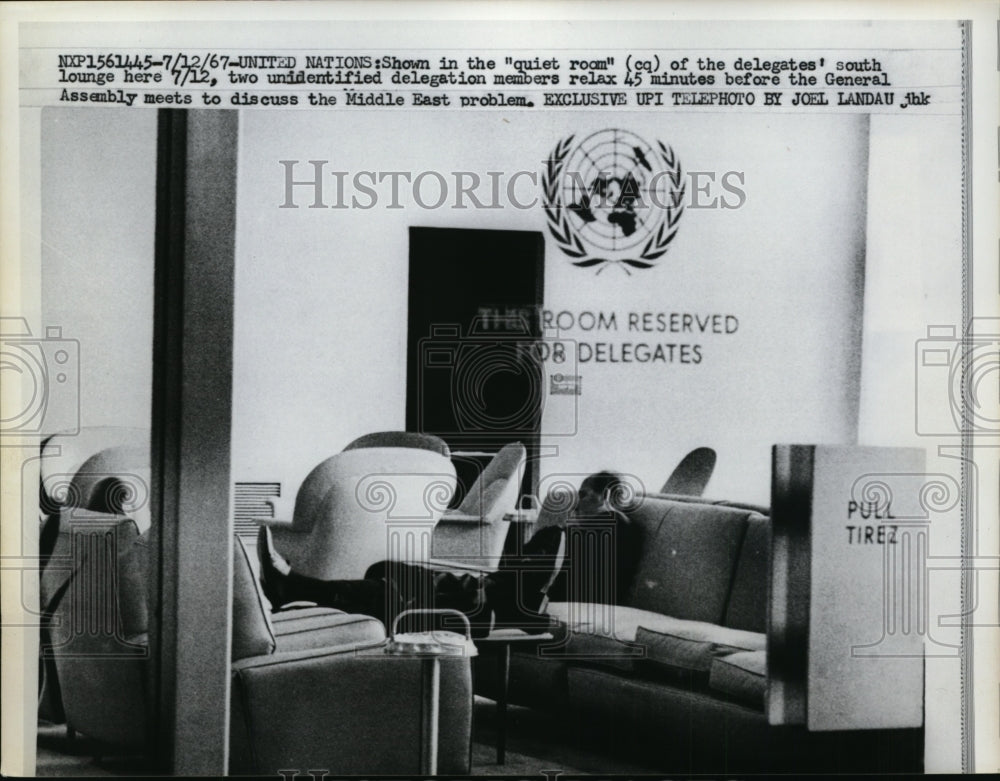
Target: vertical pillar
191,592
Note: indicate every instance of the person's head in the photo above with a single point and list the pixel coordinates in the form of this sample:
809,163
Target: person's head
600,492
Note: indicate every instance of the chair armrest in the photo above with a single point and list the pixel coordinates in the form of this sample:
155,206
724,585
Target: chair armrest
453,516
309,626
349,712
275,523
521,516
291,543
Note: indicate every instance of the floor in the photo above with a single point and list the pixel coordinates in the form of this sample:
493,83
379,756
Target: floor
539,741
536,742
59,755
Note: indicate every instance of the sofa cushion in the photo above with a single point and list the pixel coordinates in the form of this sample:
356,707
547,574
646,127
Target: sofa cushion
741,675
691,649
686,568
747,608
646,514
321,627
609,635
596,634
602,651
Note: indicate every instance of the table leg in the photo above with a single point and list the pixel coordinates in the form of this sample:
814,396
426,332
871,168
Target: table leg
430,670
503,681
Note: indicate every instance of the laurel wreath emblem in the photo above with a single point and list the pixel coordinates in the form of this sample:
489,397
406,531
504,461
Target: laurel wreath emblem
569,240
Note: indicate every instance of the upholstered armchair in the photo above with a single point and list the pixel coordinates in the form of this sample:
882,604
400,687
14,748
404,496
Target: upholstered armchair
401,439
95,587
692,474
311,687
102,469
473,535
378,500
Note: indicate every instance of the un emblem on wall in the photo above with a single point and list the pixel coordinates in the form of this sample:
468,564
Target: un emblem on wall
613,199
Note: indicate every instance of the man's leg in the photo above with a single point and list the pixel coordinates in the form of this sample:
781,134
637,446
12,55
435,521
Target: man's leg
518,592
421,588
282,586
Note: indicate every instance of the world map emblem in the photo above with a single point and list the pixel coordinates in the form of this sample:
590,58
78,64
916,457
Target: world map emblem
613,199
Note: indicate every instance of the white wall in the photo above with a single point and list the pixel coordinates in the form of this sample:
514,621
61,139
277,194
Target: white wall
914,250
321,293
909,287
98,218
785,264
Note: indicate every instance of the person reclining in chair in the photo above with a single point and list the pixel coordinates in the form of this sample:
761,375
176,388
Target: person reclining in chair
514,596
591,558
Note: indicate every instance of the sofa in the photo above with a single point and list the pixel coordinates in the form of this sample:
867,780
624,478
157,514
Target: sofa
677,669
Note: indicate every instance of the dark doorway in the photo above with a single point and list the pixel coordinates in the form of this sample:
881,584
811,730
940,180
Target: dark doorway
474,377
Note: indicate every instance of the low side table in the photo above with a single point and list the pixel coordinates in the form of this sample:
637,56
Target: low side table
429,647
499,643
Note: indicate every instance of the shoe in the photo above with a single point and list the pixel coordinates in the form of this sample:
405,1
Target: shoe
274,570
